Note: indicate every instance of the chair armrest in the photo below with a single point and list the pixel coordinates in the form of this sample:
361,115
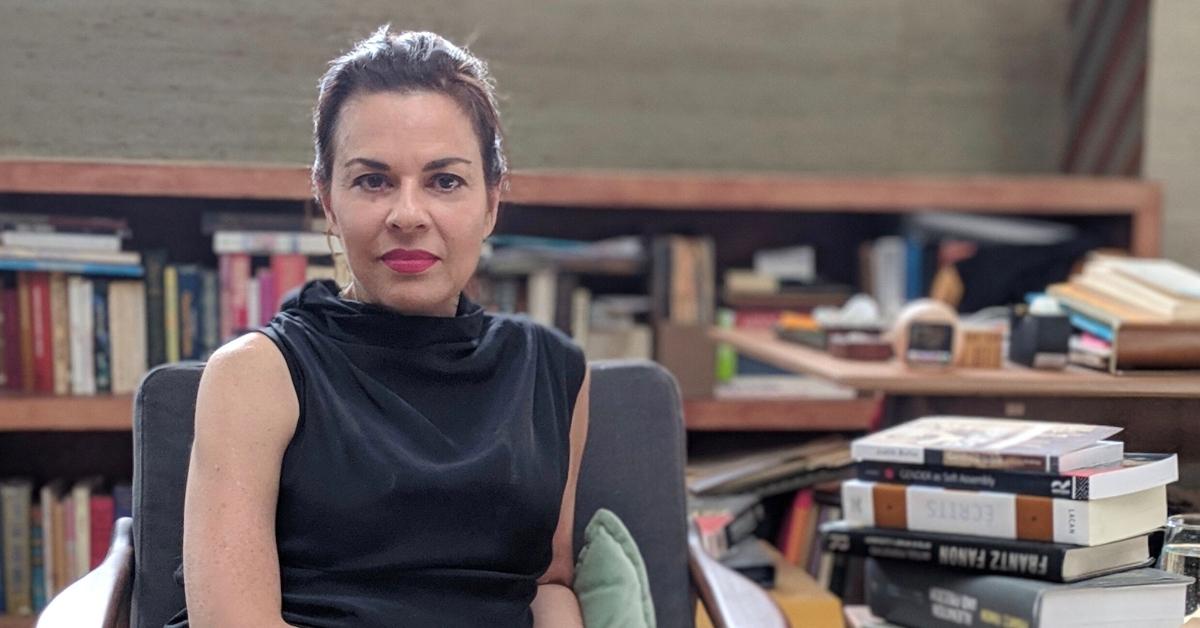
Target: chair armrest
731,599
100,599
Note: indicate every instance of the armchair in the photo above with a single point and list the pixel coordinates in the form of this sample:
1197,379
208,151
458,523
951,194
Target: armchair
633,465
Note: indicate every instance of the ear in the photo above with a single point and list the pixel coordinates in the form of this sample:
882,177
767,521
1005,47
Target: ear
493,211
323,195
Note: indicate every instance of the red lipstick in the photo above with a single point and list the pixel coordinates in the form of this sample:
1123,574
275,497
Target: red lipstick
409,261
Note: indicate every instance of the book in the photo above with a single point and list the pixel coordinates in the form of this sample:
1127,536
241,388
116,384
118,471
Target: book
1055,562
37,566
211,310
288,272
41,333
50,497
171,332
1160,275
770,471
1119,287
82,370
956,441
725,521
25,324
914,595
1003,515
81,512
189,285
1136,472
102,343
60,325
13,340
234,273
8,262
127,334
155,261
16,502
58,240
101,516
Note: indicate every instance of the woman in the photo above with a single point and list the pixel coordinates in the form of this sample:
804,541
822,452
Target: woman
386,453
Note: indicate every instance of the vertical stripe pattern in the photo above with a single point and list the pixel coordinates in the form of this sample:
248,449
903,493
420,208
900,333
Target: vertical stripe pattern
1106,91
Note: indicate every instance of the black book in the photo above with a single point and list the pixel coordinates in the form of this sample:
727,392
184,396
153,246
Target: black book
102,343
153,261
1137,472
911,594
1054,562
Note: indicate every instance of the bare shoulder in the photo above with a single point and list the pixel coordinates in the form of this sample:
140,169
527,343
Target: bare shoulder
246,388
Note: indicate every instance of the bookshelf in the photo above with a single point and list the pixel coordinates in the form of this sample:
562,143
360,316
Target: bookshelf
76,436
894,378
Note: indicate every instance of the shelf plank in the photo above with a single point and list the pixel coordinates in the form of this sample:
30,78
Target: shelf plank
97,413
793,415
893,377
659,190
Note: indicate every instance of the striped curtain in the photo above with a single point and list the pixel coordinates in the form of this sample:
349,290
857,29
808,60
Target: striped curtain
1107,92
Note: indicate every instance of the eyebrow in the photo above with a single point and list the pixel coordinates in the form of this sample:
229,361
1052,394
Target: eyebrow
433,165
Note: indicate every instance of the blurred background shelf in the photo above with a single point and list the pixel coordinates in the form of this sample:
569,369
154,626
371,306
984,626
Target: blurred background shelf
65,413
779,414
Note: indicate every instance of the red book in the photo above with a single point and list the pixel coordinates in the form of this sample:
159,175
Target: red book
102,513
11,306
756,318
234,269
43,340
289,270
267,295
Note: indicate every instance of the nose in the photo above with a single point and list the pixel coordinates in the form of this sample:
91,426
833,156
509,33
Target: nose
408,210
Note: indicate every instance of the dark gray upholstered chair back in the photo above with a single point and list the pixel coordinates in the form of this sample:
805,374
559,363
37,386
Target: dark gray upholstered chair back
633,465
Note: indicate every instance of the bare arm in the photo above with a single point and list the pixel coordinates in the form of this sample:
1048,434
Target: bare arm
555,604
246,413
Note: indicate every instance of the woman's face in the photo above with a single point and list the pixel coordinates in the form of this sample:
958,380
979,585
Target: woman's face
408,198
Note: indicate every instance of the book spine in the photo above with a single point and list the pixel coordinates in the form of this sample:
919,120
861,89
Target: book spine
102,339
155,262
101,516
67,266
82,334
16,499
913,595
288,272
1022,483
981,513
43,340
1043,561
211,311
60,333
13,339
188,285
25,317
37,566
64,241
235,274
171,312
81,500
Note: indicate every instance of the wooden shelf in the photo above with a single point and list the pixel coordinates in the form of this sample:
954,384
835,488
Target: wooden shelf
65,413
794,415
17,621
661,190
893,377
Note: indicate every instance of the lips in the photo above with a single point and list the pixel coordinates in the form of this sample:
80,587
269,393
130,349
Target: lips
409,262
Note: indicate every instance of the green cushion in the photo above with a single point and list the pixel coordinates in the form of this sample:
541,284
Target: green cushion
610,577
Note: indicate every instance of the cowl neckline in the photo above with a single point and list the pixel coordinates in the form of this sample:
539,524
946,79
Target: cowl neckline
357,322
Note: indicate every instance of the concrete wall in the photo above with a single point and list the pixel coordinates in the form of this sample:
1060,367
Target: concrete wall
812,85
1173,123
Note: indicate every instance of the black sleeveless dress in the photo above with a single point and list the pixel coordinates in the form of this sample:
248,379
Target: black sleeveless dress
423,484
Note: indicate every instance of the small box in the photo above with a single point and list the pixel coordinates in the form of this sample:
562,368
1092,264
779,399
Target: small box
981,348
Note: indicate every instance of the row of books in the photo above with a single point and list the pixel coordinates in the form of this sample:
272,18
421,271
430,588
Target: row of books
974,521
53,537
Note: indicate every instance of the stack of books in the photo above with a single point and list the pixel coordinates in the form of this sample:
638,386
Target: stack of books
974,521
1131,313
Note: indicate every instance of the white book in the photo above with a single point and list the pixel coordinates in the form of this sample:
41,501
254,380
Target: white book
1003,515
65,241
888,269
253,302
82,334
542,295
270,242
81,501
127,334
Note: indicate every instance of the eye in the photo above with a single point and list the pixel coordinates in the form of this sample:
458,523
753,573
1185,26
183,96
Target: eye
371,182
445,182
